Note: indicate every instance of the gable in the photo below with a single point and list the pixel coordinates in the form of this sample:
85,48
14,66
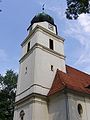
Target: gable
73,79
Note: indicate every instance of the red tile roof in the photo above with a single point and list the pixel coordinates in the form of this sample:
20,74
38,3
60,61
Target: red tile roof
73,79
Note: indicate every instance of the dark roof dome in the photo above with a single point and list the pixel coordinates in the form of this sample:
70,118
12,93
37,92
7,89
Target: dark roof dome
41,17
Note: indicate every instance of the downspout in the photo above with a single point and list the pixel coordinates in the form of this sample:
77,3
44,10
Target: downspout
66,104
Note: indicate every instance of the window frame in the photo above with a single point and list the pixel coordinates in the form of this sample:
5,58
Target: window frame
51,44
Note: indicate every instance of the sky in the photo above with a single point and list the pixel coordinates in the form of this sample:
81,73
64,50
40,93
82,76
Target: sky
15,19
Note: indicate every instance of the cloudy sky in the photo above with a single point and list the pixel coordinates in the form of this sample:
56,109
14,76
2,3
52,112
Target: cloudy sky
15,19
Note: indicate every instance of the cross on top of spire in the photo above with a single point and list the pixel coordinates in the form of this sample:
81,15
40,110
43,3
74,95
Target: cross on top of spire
43,8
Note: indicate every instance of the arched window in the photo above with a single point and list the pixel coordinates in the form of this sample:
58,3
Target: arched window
22,114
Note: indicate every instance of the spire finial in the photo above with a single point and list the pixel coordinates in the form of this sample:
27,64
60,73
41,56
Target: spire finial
43,7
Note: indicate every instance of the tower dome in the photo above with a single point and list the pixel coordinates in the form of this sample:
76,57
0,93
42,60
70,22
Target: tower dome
41,17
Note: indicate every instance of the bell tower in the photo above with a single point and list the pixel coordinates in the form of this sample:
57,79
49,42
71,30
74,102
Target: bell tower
42,54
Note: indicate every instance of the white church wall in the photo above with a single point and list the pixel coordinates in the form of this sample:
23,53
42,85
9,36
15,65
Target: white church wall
87,103
39,72
34,109
36,75
44,76
45,25
42,65
26,76
57,107
74,100
32,41
27,108
59,46
40,110
63,108
43,39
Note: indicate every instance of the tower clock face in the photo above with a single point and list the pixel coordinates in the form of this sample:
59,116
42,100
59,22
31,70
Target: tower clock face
50,26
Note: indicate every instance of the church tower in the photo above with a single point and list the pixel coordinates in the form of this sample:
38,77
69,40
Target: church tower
42,54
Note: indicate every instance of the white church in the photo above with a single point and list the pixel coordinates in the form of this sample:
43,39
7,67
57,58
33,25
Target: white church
47,88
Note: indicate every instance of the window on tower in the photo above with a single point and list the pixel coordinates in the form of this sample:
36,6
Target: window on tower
26,70
28,47
51,67
51,44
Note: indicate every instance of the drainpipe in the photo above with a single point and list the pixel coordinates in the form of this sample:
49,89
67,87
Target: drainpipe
66,104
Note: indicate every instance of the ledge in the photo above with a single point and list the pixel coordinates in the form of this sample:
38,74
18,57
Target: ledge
44,49
41,28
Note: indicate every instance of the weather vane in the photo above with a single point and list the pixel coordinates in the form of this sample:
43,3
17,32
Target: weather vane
43,7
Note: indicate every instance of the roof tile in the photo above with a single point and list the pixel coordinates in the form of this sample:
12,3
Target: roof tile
72,79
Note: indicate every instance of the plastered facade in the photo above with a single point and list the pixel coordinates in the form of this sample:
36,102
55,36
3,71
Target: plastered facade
38,77
35,74
73,101
64,106
45,25
57,107
35,108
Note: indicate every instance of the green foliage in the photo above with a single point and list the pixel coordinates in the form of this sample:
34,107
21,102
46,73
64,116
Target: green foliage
7,95
77,7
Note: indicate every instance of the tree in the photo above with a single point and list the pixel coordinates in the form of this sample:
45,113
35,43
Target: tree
7,95
77,7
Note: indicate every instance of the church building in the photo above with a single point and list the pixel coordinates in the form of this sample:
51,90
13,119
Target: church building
47,88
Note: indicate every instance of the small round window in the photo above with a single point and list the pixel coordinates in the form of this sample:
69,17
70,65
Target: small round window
80,109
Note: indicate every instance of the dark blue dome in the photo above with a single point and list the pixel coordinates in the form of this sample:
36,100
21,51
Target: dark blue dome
41,17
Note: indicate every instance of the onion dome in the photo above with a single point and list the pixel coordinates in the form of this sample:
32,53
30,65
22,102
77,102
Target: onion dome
41,17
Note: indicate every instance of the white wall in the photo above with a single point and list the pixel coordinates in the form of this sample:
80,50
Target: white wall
57,107
25,80
43,74
39,72
38,64
32,40
45,25
27,110
34,109
60,107
39,76
42,38
74,100
87,103
40,110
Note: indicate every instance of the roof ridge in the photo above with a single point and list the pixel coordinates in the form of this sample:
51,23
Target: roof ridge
77,70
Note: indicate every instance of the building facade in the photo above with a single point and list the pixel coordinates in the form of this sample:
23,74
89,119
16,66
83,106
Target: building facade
47,89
